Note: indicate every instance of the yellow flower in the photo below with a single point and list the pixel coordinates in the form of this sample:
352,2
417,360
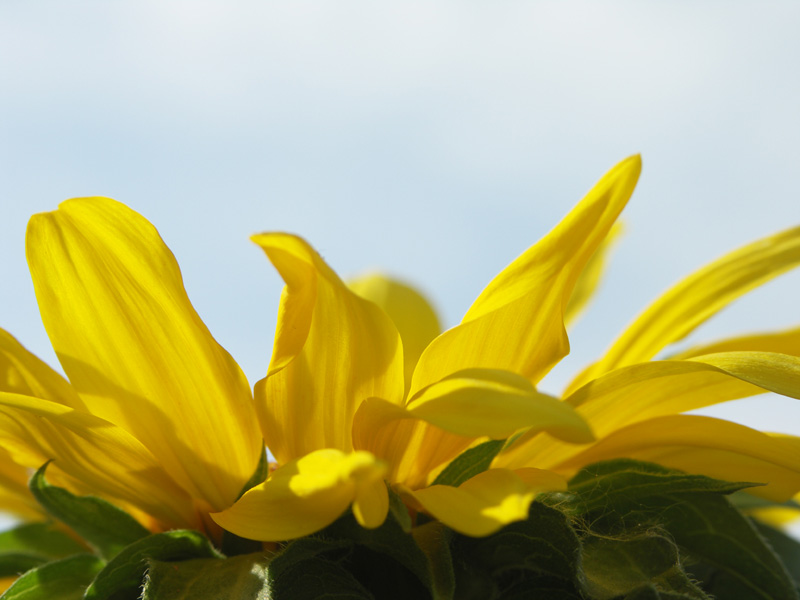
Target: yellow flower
341,379
335,358
155,414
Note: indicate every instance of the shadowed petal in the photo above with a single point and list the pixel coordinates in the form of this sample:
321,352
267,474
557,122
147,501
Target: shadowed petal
333,349
113,303
487,502
94,455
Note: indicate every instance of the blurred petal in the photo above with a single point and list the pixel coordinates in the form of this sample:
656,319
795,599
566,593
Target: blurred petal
113,303
414,317
516,324
94,454
14,495
706,446
590,277
332,350
22,373
657,388
487,502
308,494
781,342
676,313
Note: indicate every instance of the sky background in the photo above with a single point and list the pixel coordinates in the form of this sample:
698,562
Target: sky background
431,140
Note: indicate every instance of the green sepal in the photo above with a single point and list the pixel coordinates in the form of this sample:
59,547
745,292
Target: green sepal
619,486
14,563
124,574
64,579
469,463
103,526
398,510
32,544
644,566
42,539
238,578
787,548
249,577
543,551
434,540
384,557
710,529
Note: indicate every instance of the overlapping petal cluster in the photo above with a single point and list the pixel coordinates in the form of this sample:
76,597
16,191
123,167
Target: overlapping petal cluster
363,391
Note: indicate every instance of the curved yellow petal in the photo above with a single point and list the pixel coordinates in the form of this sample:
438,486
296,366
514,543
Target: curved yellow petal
494,403
517,324
590,277
412,448
656,388
94,455
488,501
782,342
412,314
695,299
706,446
444,419
308,494
113,303
333,349
23,373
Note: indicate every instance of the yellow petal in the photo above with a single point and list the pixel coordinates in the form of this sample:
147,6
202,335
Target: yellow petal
94,455
487,502
651,389
22,373
308,494
412,314
590,277
782,342
677,312
15,498
705,446
113,303
332,350
444,419
494,403
412,448
516,324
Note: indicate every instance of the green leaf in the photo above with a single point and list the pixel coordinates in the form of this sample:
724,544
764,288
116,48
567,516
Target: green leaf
123,575
304,549
710,529
636,567
621,485
42,539
65,579
237,578
102,525
469,463
543,548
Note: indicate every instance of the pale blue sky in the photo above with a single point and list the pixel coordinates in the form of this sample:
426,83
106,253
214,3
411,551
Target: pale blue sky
434,140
